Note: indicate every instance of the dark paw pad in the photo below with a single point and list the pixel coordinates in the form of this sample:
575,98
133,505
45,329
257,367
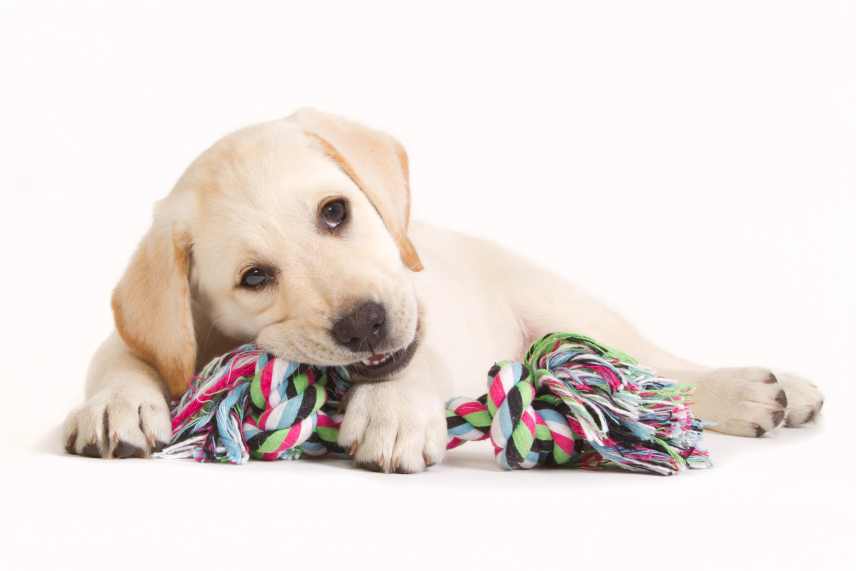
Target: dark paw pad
782,399
370,466
759,430
778,417
126,450
91,450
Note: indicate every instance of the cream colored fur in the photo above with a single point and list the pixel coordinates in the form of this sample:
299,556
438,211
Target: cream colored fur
253,197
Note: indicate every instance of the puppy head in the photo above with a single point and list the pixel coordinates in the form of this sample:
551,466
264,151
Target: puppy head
293,234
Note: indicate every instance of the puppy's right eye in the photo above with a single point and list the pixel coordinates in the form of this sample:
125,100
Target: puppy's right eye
333,213
257,277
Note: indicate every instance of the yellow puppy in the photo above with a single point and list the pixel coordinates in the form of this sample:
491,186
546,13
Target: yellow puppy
295,234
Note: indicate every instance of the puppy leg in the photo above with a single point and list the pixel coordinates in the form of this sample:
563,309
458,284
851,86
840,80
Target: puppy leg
398,425
747,401
125,413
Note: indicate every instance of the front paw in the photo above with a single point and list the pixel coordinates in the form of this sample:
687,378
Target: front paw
119,423
744,401
391,428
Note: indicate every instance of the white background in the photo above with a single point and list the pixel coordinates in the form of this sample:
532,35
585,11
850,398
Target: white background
690,162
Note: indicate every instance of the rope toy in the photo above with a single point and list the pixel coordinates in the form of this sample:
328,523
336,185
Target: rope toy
571,402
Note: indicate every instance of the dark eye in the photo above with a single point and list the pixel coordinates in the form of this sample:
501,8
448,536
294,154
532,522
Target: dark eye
257,277
334,213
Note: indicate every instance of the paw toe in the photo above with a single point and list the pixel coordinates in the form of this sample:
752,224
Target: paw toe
408,456
354,424
375,449
435,442
805,400
802,416
155,424
70,443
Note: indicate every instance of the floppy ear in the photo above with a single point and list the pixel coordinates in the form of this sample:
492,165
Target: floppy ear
151,306
377,164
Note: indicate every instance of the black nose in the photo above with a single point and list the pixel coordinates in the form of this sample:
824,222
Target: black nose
362,329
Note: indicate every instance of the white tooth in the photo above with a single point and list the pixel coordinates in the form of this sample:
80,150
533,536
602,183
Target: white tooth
375,360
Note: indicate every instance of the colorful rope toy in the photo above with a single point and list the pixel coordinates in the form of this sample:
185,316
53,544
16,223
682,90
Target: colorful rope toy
572,402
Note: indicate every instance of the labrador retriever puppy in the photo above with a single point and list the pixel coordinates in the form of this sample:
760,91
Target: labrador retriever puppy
295,234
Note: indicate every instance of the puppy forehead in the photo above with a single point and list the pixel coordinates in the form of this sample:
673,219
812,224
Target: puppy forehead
258,192
272,168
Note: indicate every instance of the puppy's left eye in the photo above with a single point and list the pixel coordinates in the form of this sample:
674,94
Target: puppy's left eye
257,277
333,213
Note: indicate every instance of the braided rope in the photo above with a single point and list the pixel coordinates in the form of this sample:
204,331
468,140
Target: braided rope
571,402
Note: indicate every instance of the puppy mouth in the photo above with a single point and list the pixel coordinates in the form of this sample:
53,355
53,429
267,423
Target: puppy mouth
379,366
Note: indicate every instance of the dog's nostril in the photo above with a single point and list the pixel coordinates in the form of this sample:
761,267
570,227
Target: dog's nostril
365,323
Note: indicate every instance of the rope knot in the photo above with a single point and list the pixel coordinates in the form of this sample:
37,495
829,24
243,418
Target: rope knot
248,403
525,427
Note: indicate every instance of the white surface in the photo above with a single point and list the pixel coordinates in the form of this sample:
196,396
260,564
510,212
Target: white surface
691,162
